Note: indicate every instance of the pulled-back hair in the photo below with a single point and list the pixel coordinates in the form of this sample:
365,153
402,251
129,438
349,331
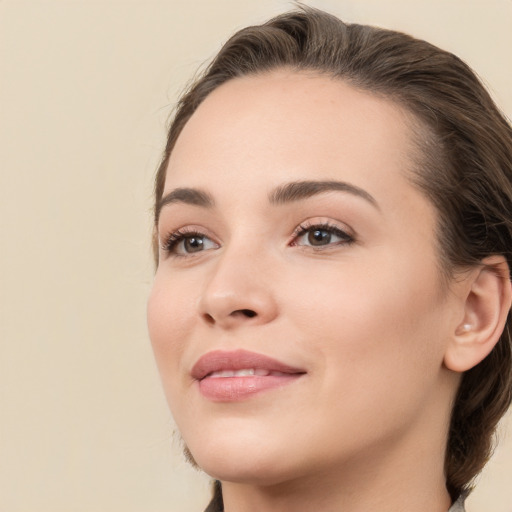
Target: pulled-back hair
465,168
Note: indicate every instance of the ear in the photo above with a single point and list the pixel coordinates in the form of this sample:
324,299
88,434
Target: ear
487,302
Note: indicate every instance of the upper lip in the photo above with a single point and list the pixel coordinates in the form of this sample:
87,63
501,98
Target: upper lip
219,360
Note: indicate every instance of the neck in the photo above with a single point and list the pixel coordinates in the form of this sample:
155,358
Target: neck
386,493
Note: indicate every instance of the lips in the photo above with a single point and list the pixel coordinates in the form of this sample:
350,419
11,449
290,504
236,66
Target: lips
226,376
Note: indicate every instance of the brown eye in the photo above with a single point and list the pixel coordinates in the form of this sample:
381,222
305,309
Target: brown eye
193,244
182,243
319,237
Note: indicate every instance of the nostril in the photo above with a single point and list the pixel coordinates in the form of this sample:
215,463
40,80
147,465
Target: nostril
209,318
249,313
237,313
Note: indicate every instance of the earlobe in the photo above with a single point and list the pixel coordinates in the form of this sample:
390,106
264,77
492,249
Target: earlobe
487,303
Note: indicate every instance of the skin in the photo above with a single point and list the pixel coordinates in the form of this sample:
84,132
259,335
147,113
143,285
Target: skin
370,321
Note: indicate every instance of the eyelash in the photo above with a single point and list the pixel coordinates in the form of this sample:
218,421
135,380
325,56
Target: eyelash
174,238
302,229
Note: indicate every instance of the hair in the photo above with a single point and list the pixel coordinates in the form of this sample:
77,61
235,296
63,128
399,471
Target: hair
464,168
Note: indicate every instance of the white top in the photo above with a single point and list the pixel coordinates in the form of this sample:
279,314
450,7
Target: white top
458,506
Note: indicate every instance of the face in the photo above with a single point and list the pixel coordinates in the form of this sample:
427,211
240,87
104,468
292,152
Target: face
297,314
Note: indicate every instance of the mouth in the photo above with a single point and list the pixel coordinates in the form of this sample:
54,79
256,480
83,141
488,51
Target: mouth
246,372
230,376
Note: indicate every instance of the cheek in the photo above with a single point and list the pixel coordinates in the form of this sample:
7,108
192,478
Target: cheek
374,322
376,351
170,315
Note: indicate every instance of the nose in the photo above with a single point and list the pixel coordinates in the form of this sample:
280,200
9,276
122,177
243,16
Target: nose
239,292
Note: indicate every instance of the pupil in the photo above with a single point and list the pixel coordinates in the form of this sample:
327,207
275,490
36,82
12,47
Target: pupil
319,237
193,244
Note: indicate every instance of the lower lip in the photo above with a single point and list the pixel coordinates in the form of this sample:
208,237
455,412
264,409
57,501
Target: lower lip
236,389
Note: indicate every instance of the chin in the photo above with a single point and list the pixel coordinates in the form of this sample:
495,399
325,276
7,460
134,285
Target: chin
245,472
239,461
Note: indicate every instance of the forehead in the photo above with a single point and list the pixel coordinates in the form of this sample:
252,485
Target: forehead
288,120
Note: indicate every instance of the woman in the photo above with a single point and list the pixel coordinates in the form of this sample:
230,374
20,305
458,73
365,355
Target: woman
333,234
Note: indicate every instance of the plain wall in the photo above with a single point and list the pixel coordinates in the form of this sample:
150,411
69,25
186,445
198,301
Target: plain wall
85,90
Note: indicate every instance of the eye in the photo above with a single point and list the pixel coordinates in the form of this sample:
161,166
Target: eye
185,243
321,235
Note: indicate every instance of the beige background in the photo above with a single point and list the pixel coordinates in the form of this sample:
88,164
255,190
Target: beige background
85,89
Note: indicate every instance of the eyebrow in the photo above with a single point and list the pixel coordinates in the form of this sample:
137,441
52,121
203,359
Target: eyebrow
192,196
298,190
287,193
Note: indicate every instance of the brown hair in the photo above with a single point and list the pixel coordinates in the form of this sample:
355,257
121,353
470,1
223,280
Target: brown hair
465,168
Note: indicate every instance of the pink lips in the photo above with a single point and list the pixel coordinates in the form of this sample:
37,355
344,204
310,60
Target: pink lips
222,377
